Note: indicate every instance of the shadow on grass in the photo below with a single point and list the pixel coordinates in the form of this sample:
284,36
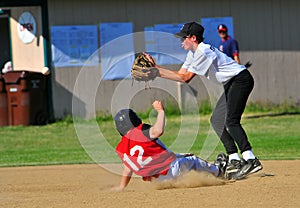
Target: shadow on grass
272,115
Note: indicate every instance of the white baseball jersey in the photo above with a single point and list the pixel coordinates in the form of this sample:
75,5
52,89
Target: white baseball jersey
209,61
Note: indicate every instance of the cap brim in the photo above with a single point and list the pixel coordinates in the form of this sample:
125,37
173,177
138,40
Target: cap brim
223,30
180,34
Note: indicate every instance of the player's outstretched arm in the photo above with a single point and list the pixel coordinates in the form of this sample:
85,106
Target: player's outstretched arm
158,128
170,74
175,75
126,176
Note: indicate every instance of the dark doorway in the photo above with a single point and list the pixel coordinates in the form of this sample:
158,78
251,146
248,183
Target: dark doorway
5,50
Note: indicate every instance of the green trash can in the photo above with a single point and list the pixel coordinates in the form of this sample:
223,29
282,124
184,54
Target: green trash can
26,97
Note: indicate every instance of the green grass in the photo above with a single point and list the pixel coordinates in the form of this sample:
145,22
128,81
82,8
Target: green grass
275,137
272,137
38,145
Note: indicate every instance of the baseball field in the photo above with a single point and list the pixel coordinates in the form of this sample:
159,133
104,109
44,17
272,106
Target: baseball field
47,167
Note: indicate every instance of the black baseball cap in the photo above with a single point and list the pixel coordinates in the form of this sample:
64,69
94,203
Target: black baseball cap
191,28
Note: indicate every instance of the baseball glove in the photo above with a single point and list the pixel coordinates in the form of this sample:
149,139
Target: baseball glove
248,64
143,69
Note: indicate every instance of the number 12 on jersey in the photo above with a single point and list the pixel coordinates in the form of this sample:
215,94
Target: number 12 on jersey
139,158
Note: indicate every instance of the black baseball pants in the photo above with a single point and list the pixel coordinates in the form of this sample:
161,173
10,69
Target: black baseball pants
227,114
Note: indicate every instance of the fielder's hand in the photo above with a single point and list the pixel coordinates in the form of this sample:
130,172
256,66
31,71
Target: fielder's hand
248,64
143,69
150,58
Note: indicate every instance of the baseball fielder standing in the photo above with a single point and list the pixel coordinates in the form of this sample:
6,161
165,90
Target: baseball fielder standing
204,60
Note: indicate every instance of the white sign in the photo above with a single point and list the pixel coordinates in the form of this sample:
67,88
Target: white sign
26,27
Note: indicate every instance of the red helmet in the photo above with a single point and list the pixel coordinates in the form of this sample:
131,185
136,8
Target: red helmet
222,27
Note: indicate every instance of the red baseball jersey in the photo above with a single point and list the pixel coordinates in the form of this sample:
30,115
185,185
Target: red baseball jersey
144,156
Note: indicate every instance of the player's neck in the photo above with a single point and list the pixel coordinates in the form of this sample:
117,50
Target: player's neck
226,37
195,46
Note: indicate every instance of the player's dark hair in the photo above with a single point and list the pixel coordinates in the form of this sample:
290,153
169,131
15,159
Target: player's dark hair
198,32
125,120
190,29
199,39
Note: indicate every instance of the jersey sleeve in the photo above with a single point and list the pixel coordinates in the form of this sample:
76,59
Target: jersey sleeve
146,130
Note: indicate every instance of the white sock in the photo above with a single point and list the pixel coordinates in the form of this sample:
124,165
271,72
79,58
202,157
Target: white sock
234,156
248,155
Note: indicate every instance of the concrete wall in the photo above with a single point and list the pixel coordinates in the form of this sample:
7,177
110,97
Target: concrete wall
266,32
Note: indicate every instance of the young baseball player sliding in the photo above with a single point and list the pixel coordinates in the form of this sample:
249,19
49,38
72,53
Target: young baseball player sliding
145,155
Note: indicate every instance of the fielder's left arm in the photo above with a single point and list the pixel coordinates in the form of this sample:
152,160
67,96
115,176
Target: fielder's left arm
182,75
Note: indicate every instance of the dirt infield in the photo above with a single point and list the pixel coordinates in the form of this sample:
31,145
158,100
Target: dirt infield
277,185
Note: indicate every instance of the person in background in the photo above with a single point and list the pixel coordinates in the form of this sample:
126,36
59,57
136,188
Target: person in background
228,45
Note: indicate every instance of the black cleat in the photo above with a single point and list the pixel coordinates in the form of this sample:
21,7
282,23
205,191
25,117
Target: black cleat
256,165
252,166
221,163
234,167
